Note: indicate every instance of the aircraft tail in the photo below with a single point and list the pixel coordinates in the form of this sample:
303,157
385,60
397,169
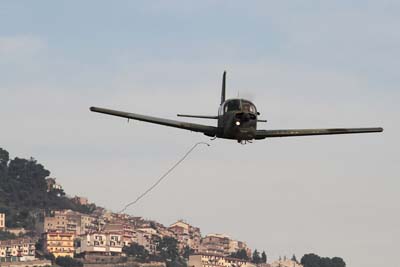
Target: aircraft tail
223,87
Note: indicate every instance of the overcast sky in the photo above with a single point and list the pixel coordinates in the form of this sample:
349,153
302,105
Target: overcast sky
305,64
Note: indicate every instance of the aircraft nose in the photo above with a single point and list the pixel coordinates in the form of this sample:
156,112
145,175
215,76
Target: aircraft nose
244,116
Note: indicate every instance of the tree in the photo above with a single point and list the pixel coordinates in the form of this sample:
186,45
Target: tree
294,258
68,262
313,260
325,262
50,257
5,235
263,257
187,251
240,254
137,251
4,158
338,262
23,192
168,248
310,260
256,259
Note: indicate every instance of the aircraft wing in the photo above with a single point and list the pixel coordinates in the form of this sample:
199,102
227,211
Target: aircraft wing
207,130
261,134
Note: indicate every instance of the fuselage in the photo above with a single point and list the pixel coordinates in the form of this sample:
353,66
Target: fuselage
237,119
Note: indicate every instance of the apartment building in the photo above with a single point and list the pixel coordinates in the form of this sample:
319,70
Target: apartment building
101,243
22,248
235,245
212,260
187,235
217,244
2,221
142,236
125,230
59,243
70,221
82,223
145,239
56,223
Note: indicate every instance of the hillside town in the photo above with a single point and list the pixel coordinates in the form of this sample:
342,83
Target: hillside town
101,236
40,225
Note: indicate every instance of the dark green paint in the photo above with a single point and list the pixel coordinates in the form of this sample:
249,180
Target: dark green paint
237,119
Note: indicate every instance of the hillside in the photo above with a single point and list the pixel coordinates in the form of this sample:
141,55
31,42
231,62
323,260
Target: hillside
24,195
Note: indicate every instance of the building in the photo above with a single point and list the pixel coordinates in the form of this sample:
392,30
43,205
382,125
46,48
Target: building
285,263
2,221
101,243
145,239
235,246
58,222
21,249
70,221
143,236
52,184
212,260
59,243
125,230
81,223
186,235
80,200
217,244
223,245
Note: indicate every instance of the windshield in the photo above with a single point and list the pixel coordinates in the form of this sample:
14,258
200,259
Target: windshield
233,105
239,105
248,107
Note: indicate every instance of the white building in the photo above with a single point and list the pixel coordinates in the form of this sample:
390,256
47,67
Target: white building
211,260
23,248
101,243
285,263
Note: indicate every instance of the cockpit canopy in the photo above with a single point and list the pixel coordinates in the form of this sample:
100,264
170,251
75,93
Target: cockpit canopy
238,105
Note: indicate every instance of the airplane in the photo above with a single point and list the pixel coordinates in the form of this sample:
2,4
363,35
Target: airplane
237,120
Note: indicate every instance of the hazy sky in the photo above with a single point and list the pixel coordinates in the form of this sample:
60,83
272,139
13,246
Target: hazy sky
305,64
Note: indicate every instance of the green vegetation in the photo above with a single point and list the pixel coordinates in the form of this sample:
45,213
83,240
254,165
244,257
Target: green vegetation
23,192
294,258
168,248
137,251
187,251
256,257
68,262
313,260
168,251
4,235
263,257
240,254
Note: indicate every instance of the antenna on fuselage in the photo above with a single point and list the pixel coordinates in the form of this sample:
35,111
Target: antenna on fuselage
223,88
